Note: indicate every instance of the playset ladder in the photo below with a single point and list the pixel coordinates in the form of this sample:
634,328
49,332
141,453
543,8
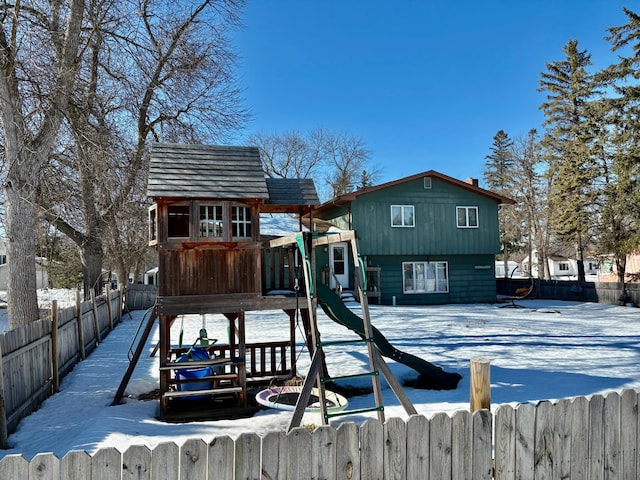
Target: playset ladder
315,375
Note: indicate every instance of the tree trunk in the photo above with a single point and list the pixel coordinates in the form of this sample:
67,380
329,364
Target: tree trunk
22,305
92,257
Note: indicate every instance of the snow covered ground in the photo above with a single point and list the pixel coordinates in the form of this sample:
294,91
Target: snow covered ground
547,350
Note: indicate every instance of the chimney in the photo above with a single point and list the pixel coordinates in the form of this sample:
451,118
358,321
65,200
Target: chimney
472,181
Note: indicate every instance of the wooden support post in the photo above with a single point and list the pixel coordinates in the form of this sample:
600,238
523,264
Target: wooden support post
4,432
83,354
480,384
54,347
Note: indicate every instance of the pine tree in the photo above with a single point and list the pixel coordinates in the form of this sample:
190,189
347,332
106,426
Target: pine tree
618,202
498,177
568,144
498,165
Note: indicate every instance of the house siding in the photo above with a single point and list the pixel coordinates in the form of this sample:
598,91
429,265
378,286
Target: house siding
471,279
435,231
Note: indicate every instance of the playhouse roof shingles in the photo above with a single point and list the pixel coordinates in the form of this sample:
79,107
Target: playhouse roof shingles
292,191
206,171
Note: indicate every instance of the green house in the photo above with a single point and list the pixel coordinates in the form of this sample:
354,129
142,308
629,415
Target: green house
424,239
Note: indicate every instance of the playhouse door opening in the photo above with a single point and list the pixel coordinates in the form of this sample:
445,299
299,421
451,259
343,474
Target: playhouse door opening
338,260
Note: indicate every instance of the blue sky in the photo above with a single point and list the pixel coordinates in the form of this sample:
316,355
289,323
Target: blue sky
426,84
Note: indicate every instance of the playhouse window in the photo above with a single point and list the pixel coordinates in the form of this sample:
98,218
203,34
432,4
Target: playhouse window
211,221
153,224
402,216
425,277
240,221
467,217
178,222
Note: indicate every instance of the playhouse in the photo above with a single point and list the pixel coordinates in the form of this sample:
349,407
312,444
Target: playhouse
205,226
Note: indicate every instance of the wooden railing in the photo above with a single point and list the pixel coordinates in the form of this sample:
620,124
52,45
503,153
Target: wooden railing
264,360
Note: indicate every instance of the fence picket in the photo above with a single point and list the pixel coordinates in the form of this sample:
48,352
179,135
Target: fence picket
75,465
395,449
44,466
165,461
440,447
579,461
136,463
562,439
543,443
193,460
106,464
323,446
629,434
596,438
371,450
505,450
247,461
299,453
14,466
482,467
274,457
461,445
417,448
612,455
347,451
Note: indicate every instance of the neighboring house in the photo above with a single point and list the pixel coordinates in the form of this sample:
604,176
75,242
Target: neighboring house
607,271
42,278
562,266
426,239
513,269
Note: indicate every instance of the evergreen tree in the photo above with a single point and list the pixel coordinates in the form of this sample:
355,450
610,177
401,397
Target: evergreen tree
499,164
568,144
618,202
498,176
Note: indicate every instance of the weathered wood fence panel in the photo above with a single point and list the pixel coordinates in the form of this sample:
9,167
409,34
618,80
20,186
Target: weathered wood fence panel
568,290
27,364
140,297
586,439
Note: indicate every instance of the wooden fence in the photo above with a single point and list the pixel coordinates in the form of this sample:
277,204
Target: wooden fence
600,292
579,439
31,363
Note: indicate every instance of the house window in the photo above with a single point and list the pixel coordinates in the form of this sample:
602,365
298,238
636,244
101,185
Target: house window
178,222
211,221
467,217
425,277
241,221
563,267
427,183
3,259
402,216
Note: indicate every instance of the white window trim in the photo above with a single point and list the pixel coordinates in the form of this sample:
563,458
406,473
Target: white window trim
237,222
466,219
218,223
402,209
425,291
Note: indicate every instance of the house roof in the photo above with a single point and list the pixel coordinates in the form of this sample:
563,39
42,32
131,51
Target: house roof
469,185
206,171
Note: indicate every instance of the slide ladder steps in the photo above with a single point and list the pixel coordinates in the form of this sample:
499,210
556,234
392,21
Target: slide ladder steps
355,411
375,373
334,343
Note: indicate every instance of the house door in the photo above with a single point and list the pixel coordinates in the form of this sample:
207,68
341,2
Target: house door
339,264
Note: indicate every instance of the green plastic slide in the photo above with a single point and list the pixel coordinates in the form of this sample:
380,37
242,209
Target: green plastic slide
431,376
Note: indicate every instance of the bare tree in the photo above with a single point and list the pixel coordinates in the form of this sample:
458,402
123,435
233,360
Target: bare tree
39,48
155,71
289,154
